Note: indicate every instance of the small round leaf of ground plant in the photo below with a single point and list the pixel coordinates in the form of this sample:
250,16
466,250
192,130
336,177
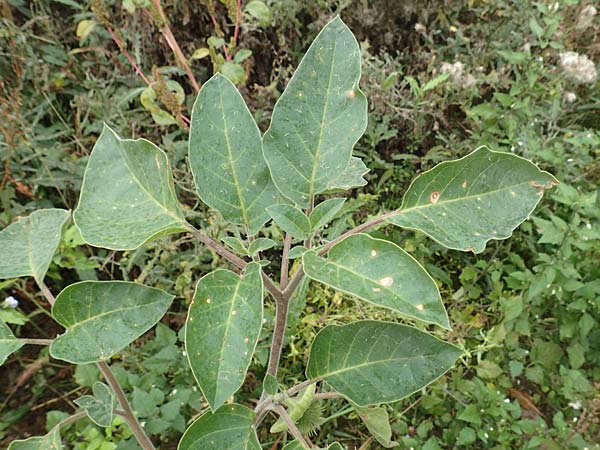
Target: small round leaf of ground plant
103,317
465,203
222,330
373,362
28,245
228,428
381,273
127,196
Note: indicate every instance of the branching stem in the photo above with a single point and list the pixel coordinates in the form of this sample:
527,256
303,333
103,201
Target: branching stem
128,414
294,431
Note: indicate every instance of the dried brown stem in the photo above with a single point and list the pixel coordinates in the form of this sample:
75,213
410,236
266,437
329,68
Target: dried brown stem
170,38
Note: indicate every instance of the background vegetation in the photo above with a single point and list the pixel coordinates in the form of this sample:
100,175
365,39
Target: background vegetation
442,78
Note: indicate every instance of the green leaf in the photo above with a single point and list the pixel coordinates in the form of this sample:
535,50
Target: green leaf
234,72
381,273
435,82
225,152
351,177
127,197
228,428
536,28
222,329
378,423
241,55
374,362
291,220
84,28
270,384
8,342
200,53
260,245
103,317
236,245
465,203
297,252
513,57
27,246
318,118
260,11
325,211
98,407
50,441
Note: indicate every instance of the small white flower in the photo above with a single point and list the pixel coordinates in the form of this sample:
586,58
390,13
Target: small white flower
420,28
578,68
458,75
588,226
11,302
569,97
586,18
576,404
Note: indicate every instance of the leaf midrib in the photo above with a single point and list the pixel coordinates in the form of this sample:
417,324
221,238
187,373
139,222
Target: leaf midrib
379,361
231,163
316,157
401,211
72,327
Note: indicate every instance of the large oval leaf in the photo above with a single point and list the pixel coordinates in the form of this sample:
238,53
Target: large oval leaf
228,428
381,273
8,342
318,118
465,203
222,330
27,246
103,317
127,197
374,362
225,150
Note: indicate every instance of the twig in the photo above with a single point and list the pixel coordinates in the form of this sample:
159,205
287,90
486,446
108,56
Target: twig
129,416
49,296
281,313
299,275
293,429
327,395
287,243
132,421
216,24
232,258
123,50
69,420
170,38
237,22
121,46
